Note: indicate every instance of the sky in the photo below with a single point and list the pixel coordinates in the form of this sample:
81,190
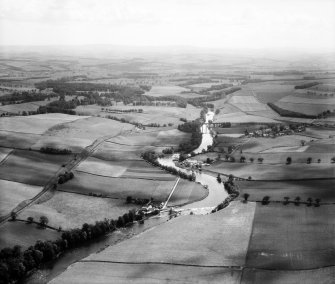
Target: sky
228,24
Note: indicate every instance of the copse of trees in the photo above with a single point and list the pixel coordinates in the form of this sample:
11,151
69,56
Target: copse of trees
16,264
54,151
62,178
306,85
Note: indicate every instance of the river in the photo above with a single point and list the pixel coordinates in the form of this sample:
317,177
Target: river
216,194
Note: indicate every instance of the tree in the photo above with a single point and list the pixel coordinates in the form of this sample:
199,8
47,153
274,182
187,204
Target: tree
44,221
30,220
317,202
242,159
309,201
13,215
333,159
286,200
309,160
129,199
302,142
319,161
246,196
260,160
288,160
251,160
218,178
265,200
297,201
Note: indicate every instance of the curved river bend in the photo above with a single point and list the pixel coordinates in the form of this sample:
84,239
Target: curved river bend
216,194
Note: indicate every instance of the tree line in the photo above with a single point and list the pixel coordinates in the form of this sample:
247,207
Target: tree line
16,264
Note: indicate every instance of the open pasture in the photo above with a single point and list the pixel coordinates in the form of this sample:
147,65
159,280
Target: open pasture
322,133
111,151
292,237
277,190
308,100
31,167
201,240
241,117
125,169
89,128
74,144
187,192
247,103
305,108
274,172
124,273
13,193
34,124
269,92
24,235
70,210
119,187
169,90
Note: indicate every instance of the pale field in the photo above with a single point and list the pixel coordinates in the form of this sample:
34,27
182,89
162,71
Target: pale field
319,133
89,128
70,210
292,237
247,103
200,240
157,91
241,117
13,193
126,169
4,152
260,144
24,235
225,108
276,171
124,273
35,124
309,109
307,100
270,91
119,187
312,276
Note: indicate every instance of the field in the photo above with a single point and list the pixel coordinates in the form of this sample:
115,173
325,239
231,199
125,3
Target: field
277,190
241,117
158,91
294,237
18,140
247,103
86,272
24,235
271,91
187,192
70,210
35,124
151,114
275,171
4,152
120,187
210,246
31,167
12,193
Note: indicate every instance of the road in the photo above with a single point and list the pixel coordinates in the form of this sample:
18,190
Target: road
172,191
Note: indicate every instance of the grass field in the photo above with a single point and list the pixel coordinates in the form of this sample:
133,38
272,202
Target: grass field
309,109
119,187
211,244
35,124
4,152
24,235
31,167
277,190
187,192
270,91
74,144
241,117
274,172
12,193
94,273
247,103
70,210
292,237
170,90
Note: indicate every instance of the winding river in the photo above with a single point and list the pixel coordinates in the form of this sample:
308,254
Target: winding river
216,194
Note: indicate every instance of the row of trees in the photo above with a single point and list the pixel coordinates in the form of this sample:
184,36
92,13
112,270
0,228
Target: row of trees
62,178
15,264
55,151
